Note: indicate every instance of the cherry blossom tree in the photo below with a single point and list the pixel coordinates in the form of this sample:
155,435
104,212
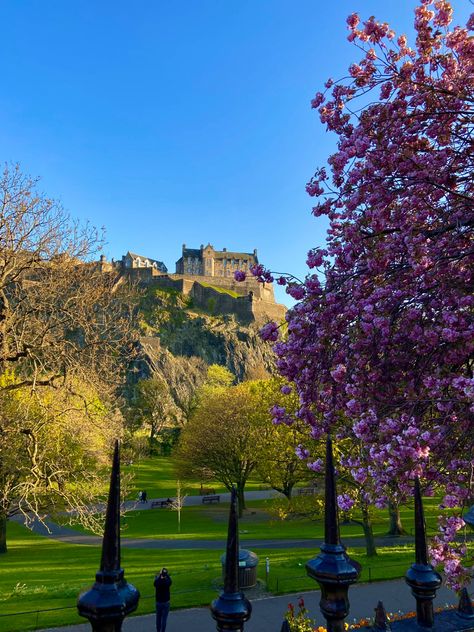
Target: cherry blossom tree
380,346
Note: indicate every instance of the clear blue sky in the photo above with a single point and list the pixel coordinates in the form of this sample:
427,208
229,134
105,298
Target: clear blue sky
171,121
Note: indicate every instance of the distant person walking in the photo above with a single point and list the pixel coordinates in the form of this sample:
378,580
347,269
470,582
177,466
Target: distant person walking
162,585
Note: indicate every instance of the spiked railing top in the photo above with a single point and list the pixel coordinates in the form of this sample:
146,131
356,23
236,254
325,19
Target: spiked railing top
469,517
421,548
231,579
110,560
331,521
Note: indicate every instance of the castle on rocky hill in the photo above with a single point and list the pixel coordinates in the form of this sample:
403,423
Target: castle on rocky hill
207,276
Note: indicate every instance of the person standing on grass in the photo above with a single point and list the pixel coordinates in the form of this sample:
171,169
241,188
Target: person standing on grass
162,585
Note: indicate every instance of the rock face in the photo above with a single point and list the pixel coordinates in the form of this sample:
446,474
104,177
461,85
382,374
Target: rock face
221,341
180,341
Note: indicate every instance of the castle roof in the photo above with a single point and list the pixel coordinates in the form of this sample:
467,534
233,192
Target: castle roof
191,252
159,264
218,254
226,254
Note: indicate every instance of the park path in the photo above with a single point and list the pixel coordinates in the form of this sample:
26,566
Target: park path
267,613
64,534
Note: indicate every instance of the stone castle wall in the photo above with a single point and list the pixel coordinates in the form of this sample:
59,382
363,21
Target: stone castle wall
255,303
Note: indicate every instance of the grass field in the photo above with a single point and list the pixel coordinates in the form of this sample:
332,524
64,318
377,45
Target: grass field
210,522
40,574
157,476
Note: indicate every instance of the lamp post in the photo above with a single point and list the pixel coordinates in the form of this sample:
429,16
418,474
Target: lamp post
111,597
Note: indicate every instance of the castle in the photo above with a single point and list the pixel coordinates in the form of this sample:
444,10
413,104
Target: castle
207,276
214,263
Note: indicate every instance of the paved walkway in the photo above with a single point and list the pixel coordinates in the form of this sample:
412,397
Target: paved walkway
52,530
64,534
268,612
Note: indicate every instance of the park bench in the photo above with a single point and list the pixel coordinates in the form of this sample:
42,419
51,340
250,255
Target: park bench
306,491
211,499
160,503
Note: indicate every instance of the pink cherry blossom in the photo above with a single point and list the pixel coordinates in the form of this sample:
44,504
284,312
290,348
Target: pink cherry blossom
380,345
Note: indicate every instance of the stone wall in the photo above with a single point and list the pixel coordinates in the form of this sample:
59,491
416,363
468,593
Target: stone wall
255,303
246,309
264,291
215,302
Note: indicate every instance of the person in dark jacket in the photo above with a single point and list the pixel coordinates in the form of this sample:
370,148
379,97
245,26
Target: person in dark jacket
162,585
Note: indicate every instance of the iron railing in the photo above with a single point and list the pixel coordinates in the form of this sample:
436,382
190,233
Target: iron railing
112,598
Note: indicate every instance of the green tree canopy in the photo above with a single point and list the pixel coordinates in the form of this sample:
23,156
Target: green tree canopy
219,441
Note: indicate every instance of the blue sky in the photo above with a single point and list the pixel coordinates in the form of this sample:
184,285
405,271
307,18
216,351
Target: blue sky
171,122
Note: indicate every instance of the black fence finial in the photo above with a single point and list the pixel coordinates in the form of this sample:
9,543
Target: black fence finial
111,598
465,609
231,609
423,580
381,622
332,568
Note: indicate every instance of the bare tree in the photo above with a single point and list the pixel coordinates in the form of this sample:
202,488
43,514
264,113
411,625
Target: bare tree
65,332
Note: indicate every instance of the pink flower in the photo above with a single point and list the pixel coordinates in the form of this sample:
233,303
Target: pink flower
301,452
317,100
239,275
269,332
296,291
316,466
353,20
345,502
339,373
315,258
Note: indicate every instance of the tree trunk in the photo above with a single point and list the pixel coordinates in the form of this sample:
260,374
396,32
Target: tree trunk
151,441
370,548
3,533
241,498
396,527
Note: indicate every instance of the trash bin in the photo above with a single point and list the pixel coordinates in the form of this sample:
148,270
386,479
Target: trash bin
248,562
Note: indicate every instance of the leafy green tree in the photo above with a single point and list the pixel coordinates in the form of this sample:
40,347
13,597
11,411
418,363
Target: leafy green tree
278,463
53,448
219,441
218,376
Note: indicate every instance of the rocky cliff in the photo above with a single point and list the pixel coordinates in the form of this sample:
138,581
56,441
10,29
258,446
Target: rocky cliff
179,342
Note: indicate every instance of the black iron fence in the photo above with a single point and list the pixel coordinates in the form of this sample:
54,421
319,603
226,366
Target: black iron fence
112,598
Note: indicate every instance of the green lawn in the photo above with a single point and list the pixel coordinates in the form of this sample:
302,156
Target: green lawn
40,574
157,476
210,522
221,290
